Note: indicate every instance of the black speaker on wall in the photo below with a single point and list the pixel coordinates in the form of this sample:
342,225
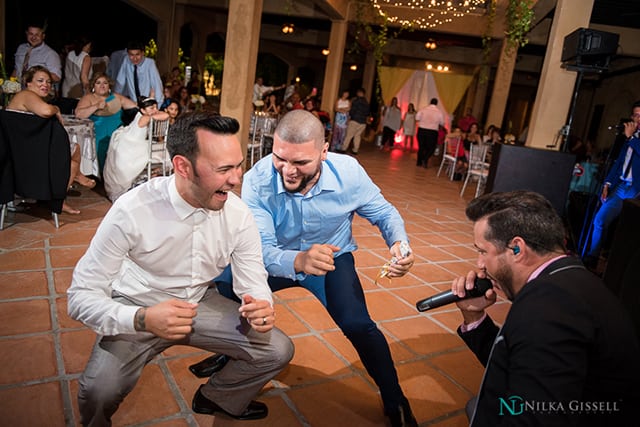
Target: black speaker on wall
546,172
589,48
623,263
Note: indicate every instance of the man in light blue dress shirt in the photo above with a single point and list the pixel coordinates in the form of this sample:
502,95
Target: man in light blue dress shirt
304,199
149,80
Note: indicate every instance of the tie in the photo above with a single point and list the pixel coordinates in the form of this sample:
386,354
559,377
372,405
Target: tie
627,169
25,64
136,85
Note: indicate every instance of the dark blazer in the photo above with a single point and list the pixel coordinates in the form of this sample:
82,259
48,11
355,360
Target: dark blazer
566,344
35,158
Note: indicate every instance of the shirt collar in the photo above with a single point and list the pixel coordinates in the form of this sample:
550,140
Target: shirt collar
183,209
539,270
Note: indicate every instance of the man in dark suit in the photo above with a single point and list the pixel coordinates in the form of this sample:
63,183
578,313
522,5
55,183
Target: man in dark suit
567,353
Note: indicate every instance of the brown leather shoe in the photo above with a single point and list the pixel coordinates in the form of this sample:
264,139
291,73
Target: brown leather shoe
201,405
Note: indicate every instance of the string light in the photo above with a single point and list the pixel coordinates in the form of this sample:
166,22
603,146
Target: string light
432,12
430,44
288,28
326,52
354,67
439,68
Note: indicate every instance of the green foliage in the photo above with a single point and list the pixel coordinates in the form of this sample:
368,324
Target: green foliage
376,36
215,65
486,40
151,50
520,17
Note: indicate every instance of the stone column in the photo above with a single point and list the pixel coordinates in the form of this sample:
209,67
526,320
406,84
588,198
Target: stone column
502,84
556,86
333,69
480,95
241,56
369,75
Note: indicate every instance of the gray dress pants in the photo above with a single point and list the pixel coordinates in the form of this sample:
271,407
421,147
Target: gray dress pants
117,361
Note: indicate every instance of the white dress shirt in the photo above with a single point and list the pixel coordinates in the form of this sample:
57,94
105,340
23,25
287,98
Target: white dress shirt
153,246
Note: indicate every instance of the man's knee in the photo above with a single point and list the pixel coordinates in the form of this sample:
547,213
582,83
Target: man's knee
100,395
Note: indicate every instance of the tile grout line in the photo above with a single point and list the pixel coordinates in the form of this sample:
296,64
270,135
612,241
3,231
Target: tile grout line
65,389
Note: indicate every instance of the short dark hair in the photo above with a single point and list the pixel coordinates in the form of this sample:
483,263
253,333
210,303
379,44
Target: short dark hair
182,139
519,213
635,105
135,45
434,101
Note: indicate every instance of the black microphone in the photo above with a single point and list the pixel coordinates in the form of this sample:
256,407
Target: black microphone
617,128
447,297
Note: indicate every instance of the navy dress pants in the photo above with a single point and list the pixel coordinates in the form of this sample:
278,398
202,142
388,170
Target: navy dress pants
341,293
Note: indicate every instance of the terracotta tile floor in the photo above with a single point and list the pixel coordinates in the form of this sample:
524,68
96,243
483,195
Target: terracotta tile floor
43,351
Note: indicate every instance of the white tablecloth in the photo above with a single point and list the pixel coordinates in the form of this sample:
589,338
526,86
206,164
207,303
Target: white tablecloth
81,132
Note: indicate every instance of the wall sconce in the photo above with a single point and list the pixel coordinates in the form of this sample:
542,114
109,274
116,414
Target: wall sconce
288,28
326,52
430,44
354,67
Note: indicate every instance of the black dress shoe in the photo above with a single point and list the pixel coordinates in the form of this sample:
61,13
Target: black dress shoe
402,416
209,366
201,405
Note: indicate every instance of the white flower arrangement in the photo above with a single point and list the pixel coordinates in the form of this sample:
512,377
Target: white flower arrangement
11,86
198,99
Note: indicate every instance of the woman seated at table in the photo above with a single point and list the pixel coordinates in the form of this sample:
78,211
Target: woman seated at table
173,109
37,80
104,107
129,150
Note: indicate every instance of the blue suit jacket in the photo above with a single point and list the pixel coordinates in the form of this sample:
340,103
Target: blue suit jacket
616,170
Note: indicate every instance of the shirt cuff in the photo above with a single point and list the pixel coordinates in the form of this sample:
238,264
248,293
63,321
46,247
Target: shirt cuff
471,326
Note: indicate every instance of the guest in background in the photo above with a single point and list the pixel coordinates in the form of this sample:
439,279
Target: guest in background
358,115
409,127
293,87
173,110
391,122
260,89
430,120
129,150
622,182
167,96
184,99
77,70
36,52
105,108
465,121
148,80
37,81
342,107
472,137
272,106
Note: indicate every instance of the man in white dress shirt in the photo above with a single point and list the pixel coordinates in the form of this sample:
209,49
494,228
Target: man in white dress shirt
143,284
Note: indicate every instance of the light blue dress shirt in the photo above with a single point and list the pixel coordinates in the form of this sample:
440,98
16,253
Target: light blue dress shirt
292,222
148,78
